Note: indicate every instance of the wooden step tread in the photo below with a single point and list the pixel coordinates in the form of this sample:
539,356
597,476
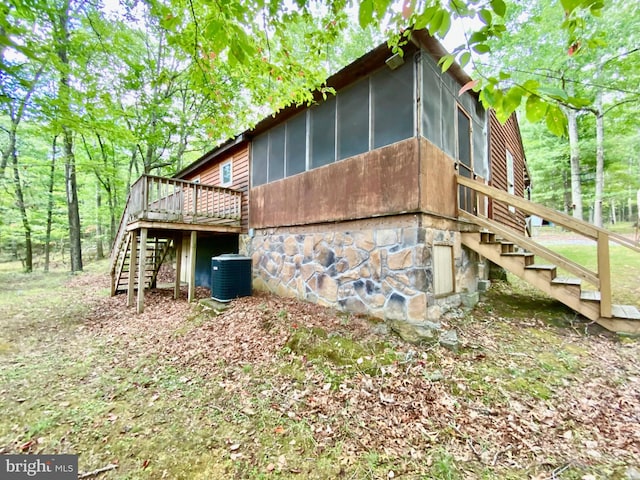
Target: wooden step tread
567,281
625,311
590,295
540,266
517,254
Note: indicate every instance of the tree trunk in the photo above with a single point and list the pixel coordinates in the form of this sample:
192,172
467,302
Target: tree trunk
613,211
99,247
566,192
73,209
599,193
75,244
576,187
28,261
11,148
47,237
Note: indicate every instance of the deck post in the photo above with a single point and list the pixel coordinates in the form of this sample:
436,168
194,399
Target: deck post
145,196
132,267
604,274
142,266
192,265
178,243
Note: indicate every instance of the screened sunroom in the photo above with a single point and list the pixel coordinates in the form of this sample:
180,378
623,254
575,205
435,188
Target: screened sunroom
382,107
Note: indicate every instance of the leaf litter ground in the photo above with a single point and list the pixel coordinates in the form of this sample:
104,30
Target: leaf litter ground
277,388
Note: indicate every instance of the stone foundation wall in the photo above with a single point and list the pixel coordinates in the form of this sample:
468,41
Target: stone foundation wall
383,272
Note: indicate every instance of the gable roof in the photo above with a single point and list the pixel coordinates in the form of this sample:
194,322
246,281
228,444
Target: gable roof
346,76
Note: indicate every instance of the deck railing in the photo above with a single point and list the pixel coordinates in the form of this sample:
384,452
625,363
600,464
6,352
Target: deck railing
171,200
601,278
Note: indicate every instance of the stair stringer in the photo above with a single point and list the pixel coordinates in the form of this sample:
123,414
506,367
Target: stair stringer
515,265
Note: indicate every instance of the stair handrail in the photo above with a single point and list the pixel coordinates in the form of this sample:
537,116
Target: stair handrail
600,235
115,247
574,224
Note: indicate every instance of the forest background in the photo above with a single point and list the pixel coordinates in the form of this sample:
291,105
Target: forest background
94,94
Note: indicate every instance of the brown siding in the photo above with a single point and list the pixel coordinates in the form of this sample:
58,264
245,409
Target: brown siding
209,174
437,180
381,182
501,138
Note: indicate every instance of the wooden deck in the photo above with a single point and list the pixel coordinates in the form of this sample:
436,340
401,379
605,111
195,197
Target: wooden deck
159,211
168,200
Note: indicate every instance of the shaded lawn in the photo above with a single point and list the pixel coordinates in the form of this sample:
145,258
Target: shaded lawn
275,388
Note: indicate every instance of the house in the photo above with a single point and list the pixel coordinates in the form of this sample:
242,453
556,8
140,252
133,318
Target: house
390,198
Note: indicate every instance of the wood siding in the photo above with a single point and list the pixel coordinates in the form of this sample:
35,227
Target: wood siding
437,181
501,138
380,182
209,174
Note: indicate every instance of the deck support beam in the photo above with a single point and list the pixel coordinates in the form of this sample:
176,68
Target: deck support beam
178,243
142,265
192,265
131,285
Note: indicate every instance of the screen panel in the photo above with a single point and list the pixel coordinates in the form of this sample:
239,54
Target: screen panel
323,133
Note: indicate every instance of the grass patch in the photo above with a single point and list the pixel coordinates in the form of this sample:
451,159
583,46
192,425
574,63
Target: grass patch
318,347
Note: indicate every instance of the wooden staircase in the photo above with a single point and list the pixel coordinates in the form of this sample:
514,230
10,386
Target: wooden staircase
156,251
517,254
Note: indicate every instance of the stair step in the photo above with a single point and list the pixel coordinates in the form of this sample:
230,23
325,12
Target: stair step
528,257
541,266
507,247
566,281
590,295
487,237
625,311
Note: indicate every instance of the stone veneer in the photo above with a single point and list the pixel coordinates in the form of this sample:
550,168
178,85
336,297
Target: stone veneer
383,272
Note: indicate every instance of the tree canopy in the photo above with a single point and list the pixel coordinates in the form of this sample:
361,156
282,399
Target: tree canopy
93,94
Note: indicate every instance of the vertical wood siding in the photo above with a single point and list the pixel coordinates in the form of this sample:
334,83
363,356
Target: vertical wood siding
501,138
209,174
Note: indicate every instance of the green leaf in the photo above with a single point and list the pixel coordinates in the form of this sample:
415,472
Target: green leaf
436,22
570,5
464,59
477,37
446,24
512,99
365,15
556,121
531,85
459,7
445,62
499,7
536,108
596,9
485,16
482,48
579,102
554,92
491,97
425,17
